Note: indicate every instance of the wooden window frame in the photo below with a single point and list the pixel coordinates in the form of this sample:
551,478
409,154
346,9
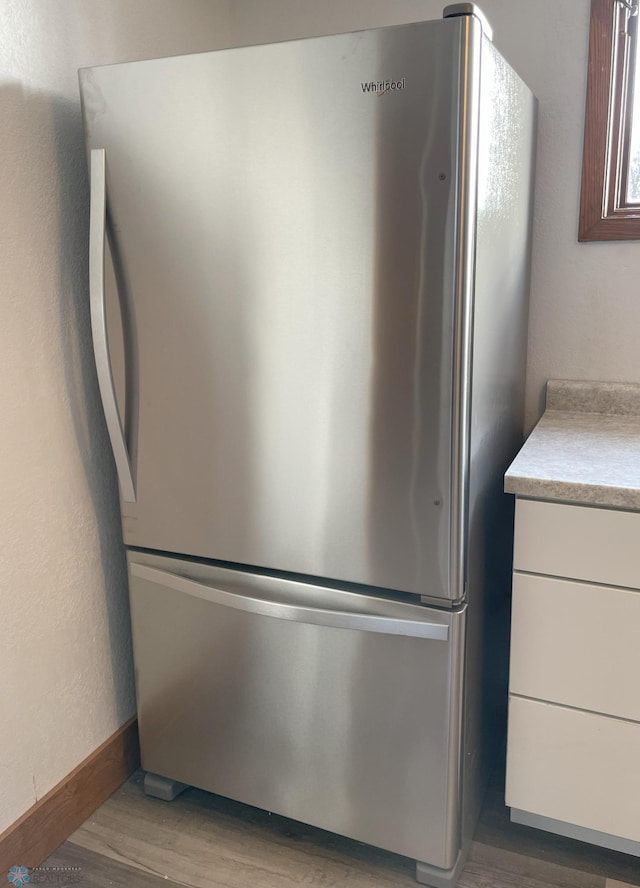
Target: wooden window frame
604,214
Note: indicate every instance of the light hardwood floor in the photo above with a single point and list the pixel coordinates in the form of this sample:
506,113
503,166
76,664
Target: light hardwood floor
204,841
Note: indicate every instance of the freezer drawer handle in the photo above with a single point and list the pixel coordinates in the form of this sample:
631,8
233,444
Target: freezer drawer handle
97,234
296,613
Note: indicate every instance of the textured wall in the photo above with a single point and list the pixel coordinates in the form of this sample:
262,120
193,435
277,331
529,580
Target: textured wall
65,664
585,305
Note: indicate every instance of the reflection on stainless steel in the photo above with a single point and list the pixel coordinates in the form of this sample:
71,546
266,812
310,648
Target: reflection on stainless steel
321,252
506,151
464,289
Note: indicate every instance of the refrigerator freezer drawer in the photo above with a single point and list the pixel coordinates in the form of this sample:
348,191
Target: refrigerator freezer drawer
330,707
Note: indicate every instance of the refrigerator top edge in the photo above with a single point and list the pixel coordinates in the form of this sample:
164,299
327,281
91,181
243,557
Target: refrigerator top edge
456,10
273,43
451,14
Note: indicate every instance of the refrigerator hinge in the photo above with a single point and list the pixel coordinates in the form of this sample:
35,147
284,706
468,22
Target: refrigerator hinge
438,602
458,9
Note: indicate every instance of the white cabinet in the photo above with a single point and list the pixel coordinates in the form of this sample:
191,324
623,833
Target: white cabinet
573,751
575,767
580,542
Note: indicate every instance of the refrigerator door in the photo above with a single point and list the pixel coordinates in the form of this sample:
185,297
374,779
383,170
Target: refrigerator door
283,222
336,709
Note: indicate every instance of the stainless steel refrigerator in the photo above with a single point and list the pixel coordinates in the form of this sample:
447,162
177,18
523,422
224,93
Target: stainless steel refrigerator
308,277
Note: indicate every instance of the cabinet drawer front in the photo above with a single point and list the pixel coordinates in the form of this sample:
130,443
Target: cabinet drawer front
574,766
582,543
576,644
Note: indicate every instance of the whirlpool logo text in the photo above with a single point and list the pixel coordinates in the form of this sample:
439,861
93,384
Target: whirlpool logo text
381,87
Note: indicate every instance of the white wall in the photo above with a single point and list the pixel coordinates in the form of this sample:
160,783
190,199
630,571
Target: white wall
65,664
585,298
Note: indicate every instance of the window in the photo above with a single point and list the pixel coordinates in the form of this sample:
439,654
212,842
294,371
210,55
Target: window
610,198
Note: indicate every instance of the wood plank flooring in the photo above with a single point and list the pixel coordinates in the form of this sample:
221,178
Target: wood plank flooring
204,841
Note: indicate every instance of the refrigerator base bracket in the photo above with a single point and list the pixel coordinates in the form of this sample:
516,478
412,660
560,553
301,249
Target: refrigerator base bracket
162,787
435,877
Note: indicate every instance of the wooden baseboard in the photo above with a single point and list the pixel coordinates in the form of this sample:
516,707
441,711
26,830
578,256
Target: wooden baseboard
32,838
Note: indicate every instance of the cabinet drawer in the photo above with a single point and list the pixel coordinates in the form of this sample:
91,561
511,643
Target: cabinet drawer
580,542
574,766
576,644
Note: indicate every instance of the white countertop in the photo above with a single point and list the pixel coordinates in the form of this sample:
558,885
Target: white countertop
585,449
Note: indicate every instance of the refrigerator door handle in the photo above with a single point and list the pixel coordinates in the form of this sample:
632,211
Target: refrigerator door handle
97,236
296,613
